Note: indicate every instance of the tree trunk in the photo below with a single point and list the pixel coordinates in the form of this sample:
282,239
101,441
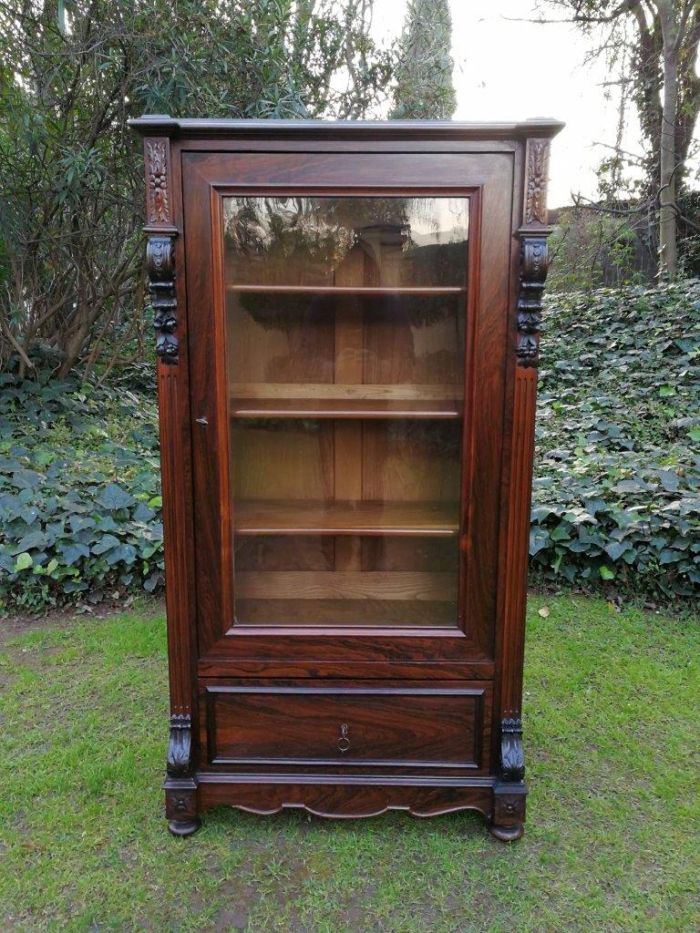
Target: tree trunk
668,249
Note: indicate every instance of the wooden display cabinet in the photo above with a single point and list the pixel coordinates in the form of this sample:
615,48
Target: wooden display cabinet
347,321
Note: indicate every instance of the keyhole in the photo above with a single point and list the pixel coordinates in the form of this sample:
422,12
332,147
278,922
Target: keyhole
344,741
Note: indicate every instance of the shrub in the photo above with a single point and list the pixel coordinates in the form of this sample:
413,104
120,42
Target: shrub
79,492
617,474
71,180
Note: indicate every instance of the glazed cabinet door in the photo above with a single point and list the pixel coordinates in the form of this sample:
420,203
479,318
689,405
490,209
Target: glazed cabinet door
348,325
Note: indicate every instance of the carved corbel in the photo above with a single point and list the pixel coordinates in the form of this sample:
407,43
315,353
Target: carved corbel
180,746
512,755
533,274
533,256
509,793
160,262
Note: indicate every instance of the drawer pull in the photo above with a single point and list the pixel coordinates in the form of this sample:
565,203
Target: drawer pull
343,741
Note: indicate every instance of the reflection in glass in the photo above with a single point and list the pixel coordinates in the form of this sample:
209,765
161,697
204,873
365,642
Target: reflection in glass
306,241
345,354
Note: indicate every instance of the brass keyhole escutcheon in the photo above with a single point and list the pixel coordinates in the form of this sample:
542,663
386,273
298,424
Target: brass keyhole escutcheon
344,741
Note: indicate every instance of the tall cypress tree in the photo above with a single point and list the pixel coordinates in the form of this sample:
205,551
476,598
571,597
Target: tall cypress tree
424,88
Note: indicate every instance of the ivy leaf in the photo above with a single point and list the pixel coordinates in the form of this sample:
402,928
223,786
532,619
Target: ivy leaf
616,549
33,540
23,562
541,512
669,480
152,582
606,573
26,479
142,513
106,543
560,533
125,553
70,553
631,485
538,540
80,523
113,497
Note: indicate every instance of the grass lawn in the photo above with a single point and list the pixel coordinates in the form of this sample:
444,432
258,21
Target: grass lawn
611,730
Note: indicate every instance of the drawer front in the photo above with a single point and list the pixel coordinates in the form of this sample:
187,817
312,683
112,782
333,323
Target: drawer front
377,727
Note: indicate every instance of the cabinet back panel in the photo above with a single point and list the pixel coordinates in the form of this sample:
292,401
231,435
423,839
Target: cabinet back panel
273,340
390,341
310,460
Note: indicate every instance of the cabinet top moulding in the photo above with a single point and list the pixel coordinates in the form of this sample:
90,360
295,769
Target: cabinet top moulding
165,125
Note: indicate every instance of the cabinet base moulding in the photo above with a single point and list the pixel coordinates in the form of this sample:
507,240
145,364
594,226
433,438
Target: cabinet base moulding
347,797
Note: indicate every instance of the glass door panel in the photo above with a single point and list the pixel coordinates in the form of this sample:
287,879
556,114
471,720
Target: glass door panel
345,322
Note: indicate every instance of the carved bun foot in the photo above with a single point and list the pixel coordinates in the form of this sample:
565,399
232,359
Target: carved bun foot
181,806
508,816
184,827
506,833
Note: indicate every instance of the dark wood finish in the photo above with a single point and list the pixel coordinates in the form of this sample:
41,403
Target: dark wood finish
343,797
374,728
406,133
346,466
165,259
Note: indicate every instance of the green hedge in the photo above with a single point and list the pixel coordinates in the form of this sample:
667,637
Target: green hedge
79,492
617,474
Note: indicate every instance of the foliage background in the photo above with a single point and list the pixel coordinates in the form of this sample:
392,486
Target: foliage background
71,74
617,477
616,486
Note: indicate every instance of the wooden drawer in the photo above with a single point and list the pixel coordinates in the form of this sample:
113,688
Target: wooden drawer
349,726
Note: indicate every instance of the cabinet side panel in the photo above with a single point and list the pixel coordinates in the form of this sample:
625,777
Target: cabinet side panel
532,235
165,263
517,536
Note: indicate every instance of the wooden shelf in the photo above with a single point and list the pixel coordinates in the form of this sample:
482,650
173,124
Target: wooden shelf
346,518
348,289
340,392
327,408
361,584
328,400
321,615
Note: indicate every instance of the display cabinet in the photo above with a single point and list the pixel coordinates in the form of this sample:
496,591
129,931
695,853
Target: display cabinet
347,319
